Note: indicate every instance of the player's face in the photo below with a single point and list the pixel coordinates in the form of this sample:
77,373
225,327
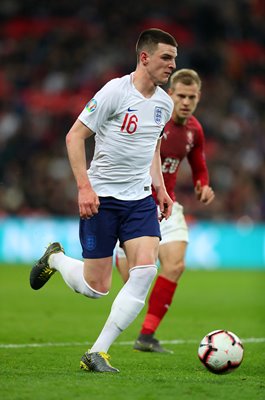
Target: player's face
186,98
161,63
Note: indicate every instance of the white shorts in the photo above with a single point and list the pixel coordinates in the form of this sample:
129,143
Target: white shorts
173,229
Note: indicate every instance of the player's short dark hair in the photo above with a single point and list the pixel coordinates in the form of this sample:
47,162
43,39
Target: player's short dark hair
185,76
150,38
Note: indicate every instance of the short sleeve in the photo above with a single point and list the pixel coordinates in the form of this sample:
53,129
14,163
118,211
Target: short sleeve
101,106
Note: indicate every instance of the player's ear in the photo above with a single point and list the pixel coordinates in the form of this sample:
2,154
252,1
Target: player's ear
144,57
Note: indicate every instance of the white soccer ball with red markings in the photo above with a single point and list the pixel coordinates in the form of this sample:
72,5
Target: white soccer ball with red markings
221,351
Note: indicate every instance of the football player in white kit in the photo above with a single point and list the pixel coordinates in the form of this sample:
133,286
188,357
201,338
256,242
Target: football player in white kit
115,200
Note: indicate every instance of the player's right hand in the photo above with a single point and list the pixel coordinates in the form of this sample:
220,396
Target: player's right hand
88,202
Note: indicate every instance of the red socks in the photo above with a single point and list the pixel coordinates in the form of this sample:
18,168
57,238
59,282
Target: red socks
159,301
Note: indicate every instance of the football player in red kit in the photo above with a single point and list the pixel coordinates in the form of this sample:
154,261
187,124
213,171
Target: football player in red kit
183,137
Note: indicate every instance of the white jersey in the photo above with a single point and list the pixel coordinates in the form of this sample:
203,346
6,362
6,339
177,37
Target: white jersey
127,127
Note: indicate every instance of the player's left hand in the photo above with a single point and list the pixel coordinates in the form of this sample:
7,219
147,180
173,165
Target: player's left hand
204,194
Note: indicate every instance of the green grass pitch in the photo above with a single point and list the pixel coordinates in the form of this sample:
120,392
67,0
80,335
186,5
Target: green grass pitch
43,334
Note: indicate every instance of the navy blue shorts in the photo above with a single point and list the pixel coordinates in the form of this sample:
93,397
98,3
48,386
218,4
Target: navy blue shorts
117,219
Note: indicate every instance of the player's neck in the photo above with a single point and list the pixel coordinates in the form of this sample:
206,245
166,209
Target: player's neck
145,86
178,120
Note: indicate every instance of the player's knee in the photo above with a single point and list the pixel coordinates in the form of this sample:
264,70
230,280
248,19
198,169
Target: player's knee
173,271
180,267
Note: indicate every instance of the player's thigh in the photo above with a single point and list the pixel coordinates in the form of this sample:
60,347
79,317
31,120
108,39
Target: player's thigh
142,250
140,233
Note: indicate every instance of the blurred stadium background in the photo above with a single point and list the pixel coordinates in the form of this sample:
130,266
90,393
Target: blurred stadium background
55,55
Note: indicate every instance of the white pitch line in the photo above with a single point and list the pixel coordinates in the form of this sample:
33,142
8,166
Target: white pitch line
72,344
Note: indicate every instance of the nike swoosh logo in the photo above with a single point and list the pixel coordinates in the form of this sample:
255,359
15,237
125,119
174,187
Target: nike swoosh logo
131,109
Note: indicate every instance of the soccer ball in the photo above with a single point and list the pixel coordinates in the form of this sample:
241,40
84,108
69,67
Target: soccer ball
221,351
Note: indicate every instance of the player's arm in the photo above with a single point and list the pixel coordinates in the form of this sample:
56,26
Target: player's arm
200,175
88,201
164,200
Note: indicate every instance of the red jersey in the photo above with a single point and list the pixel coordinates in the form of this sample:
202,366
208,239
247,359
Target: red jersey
180,141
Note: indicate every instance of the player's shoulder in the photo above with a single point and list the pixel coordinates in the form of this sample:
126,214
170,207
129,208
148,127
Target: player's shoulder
118,83
164,95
